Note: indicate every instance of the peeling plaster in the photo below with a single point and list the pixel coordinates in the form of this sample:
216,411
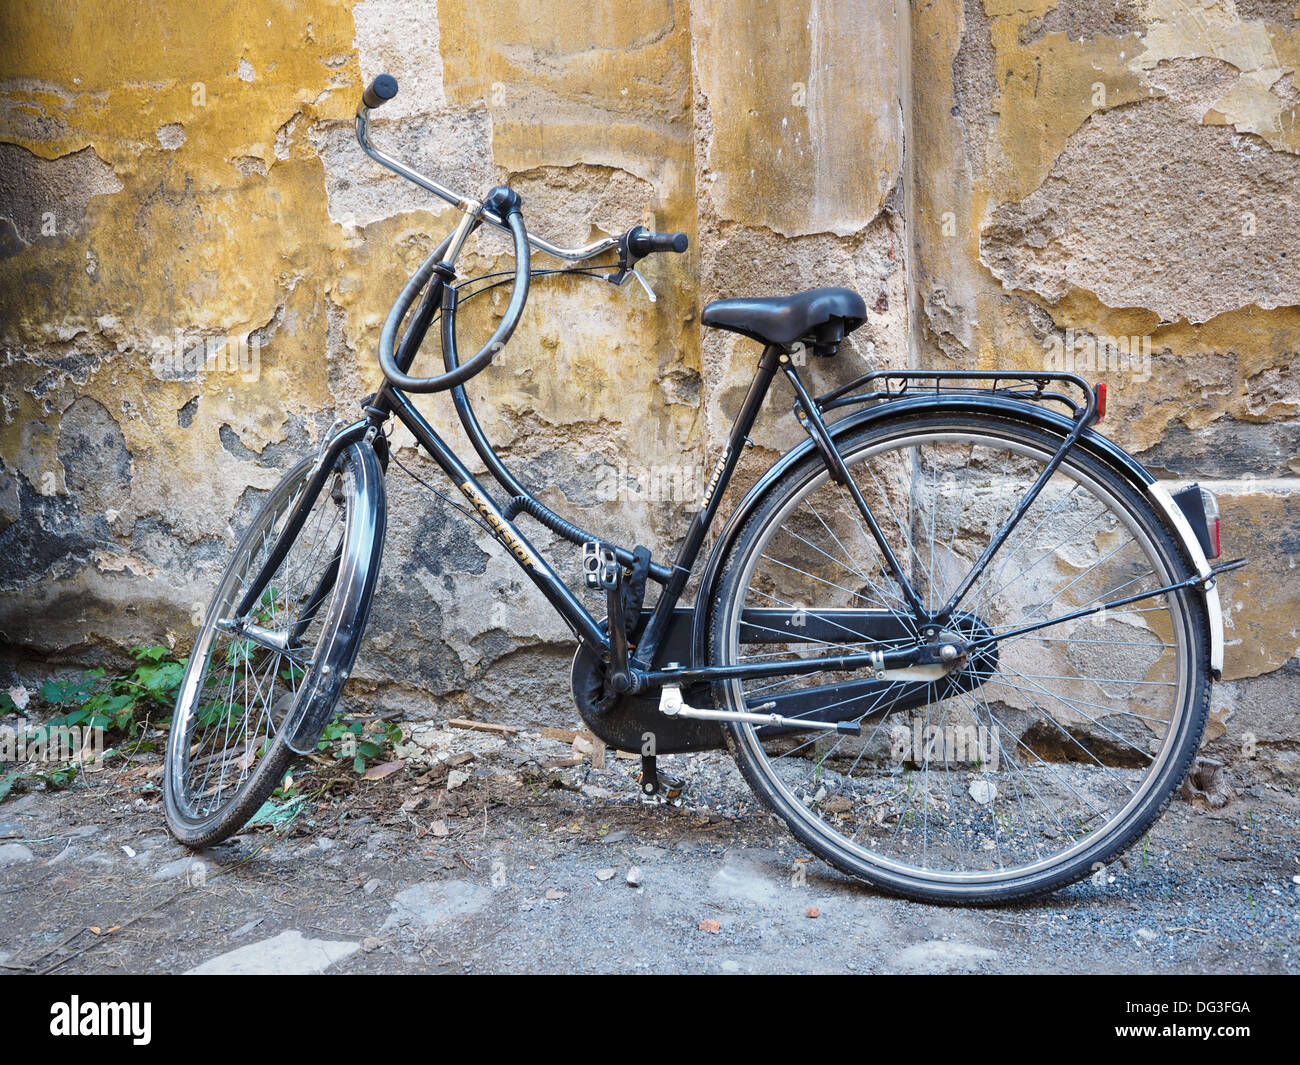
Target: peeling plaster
210,184
1145,208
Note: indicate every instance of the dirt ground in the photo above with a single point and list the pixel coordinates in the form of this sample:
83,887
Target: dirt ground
526,865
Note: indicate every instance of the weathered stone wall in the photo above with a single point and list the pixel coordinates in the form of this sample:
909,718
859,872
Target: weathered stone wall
1128,169
996,180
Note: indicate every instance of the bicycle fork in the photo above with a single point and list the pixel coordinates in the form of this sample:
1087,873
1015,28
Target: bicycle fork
285,642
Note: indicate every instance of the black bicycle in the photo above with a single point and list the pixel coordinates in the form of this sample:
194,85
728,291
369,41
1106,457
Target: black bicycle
959,641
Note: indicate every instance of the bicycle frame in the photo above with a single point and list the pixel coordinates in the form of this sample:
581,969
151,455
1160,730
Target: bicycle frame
391,401
579,619
643,674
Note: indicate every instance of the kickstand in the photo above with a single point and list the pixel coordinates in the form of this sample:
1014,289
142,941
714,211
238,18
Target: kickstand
658,787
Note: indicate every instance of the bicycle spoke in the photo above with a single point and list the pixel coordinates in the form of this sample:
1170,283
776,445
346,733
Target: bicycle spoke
1050,740
244,689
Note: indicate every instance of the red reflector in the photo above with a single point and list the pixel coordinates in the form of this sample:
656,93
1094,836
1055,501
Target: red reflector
1101,400
1214,536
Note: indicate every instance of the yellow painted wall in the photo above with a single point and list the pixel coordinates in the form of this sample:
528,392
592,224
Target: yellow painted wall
988,175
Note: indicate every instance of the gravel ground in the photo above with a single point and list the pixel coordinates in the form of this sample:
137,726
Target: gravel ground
525,867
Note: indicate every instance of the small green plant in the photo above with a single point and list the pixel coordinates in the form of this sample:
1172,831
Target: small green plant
118,705
819,761
360,741
287,788
55,779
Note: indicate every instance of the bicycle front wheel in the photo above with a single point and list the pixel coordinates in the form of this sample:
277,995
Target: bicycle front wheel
227,750
1036,758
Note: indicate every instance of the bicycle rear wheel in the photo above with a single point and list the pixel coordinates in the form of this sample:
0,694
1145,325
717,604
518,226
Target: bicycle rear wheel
227,750
1018,769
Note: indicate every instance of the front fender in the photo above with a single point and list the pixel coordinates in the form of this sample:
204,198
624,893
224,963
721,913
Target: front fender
1044,418
343,627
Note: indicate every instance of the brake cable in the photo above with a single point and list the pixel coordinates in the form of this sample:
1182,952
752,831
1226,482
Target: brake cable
442,495
596,272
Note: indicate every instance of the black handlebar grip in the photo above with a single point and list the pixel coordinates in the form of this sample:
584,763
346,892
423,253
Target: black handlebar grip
643,242
380,91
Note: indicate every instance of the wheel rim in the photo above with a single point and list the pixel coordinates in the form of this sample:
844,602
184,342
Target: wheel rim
238,692
1046,782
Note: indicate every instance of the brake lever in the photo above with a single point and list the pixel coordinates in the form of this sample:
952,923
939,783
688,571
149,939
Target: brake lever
627,267
634,272
626,263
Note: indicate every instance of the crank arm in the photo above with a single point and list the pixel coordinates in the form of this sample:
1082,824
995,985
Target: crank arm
671,703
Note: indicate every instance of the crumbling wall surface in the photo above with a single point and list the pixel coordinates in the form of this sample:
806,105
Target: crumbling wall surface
1126,170
196,257
799,185
195,260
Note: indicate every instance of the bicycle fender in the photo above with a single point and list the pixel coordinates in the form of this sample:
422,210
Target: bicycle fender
1164,502
318,698
1094,443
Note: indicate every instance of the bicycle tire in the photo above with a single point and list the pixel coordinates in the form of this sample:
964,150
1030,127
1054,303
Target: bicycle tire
336,556
772,773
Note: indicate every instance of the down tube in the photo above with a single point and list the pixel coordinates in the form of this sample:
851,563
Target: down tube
539,571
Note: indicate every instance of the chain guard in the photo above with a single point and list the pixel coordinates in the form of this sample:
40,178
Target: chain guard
626,722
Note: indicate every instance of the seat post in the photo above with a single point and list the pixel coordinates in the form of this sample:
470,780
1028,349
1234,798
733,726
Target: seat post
769,364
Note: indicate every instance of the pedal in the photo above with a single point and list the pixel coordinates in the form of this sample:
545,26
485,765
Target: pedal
600,568
658,788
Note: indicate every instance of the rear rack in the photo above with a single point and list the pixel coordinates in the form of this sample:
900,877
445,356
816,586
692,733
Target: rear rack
1031,387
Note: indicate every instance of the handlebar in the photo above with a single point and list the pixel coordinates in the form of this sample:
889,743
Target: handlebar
641,242
501,208
376,92
380,91
436,264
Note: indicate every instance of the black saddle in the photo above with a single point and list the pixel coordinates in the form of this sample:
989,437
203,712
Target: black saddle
823,316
